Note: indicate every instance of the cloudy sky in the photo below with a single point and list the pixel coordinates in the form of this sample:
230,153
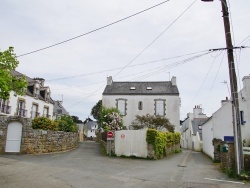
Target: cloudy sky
155,45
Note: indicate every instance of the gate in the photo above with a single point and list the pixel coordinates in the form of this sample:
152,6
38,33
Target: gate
14,135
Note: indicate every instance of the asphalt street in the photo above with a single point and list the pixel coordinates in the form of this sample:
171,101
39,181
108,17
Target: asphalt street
87,167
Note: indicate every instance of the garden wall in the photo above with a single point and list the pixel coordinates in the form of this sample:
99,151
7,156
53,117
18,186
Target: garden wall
37,141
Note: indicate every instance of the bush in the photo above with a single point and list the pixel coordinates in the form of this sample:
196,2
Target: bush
44,123
66,123
161,140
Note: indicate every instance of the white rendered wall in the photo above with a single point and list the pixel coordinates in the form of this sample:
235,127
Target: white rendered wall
172,107
131,142
207,137
28,104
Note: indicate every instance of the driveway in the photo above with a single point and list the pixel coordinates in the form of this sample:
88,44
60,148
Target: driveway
86,167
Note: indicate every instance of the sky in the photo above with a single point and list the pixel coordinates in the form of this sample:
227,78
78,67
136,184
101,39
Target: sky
171,39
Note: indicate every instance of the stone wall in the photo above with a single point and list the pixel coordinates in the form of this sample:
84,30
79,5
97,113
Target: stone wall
38,141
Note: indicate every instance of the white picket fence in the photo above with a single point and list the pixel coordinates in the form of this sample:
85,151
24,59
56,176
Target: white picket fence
246,150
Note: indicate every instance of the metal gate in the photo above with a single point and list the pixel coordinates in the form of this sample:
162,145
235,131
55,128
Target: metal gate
14,135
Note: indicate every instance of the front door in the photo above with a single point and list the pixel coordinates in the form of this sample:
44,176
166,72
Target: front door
14,135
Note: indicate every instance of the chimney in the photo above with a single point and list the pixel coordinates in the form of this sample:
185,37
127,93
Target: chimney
197,111
173,80
224,101
40,80
109,80
246,81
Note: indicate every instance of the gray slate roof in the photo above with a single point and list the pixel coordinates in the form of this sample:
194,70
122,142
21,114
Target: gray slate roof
158,88
59,109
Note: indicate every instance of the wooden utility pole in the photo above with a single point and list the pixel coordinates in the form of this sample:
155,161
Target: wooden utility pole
234,90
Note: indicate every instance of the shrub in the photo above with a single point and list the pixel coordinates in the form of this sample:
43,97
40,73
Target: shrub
44,123
161,140
66,123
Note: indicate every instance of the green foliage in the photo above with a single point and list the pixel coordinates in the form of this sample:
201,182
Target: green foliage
44,123
8,83
96,110
66,123
110,119
161,141
153,122
76,119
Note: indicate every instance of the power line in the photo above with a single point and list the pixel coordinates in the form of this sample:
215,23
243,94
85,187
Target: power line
202,82
155,39
140,52
84,34
139,64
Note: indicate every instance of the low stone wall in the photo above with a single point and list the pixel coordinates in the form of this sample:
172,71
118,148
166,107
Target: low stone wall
38,141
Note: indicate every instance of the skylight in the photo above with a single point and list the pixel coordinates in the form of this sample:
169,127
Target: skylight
132,88
149,88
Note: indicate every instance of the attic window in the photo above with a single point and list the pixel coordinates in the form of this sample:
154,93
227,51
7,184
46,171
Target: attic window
132,88
149,88
199,127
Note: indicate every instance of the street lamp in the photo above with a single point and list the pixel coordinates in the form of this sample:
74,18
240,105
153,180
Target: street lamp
233,85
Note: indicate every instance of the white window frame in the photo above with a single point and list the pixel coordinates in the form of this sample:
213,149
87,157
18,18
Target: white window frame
160,107
121,105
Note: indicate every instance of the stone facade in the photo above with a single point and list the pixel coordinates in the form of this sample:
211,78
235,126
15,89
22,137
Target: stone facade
38,141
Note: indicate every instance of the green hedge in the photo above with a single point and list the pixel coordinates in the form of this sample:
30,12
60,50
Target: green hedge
65,123
161,140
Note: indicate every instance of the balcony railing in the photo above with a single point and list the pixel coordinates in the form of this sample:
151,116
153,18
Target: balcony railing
5,109
34,114
22,112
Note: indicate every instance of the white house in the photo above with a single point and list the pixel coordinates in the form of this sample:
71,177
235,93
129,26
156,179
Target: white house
191,135
90,128
36,102
141,98
220,124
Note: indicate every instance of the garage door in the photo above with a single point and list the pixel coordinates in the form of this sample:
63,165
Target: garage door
14,135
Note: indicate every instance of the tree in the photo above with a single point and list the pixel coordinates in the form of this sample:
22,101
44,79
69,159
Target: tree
8,82
76,119
96,110
151,121
110,119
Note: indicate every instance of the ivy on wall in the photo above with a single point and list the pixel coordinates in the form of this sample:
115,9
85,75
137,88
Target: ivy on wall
161,141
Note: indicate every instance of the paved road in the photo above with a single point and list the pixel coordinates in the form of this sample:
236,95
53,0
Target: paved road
86,167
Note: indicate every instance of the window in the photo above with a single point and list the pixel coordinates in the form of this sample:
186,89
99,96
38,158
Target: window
36,93
121,106
4,108
21,108
242,120
149,88
46,112
132,88
47,97
59,111
140,105
160,107
34,111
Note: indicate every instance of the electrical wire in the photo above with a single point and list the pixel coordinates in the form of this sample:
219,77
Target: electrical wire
156,38
214,79
109,70
100,28
198,91
139,53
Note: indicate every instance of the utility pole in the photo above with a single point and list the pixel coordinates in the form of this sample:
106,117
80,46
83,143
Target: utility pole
234,89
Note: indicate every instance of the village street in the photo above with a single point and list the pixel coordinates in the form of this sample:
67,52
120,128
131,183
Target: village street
86,167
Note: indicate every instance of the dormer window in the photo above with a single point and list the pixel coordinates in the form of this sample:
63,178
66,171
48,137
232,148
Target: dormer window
47,96
36,92
132,88
149,88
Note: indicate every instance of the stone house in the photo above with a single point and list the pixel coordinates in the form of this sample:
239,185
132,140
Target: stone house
191,133
220,124
37,101
141,98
